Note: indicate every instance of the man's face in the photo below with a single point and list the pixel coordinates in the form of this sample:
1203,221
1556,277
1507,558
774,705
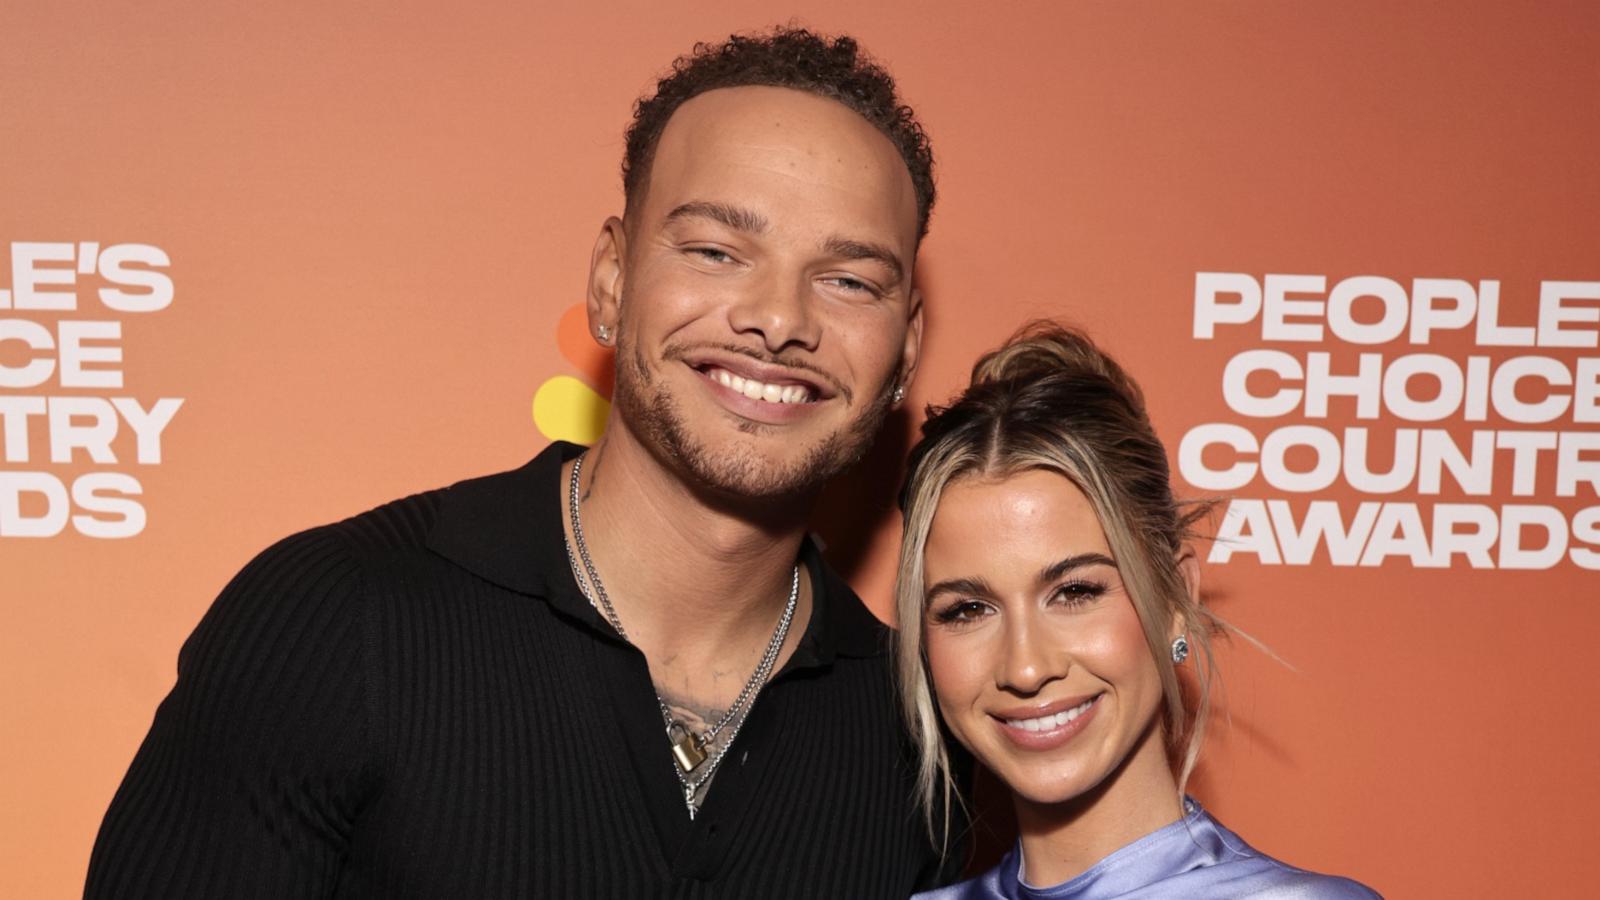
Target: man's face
766,307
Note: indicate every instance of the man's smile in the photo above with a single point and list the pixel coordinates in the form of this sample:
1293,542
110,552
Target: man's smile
759,392
767,391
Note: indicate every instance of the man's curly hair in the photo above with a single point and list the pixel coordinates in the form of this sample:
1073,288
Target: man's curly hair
836,68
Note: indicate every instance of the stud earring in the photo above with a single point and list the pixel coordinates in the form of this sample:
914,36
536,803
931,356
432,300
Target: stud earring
1180,650
899,394
604,332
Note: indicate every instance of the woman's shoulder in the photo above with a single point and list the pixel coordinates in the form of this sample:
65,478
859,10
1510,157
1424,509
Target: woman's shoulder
1195,857
1240,870
1272,879
1263,879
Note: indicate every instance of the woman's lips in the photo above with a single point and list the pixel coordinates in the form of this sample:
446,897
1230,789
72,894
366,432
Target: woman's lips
1049,728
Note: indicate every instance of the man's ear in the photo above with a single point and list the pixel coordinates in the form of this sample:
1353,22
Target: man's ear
607,271
911,351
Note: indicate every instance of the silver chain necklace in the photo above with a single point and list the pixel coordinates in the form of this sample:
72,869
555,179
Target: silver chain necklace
688,748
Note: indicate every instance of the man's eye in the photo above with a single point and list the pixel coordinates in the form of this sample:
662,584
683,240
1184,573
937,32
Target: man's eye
710,254
853,285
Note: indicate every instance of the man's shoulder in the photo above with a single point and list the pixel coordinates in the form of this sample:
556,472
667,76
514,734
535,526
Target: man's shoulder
416,527
398,526
346,546
479,509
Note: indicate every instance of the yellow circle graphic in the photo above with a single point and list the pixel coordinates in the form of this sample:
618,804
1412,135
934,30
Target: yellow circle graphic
566,409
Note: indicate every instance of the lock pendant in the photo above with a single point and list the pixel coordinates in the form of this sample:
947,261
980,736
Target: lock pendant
688,751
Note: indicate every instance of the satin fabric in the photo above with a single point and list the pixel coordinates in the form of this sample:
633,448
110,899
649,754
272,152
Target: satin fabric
1194,857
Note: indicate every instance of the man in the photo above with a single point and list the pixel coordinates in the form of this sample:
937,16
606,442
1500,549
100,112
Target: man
622,674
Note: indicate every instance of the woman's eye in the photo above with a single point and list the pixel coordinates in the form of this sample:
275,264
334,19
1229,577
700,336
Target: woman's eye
960,612
1078,593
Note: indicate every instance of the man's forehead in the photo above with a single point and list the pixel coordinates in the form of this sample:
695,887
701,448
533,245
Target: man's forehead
781,138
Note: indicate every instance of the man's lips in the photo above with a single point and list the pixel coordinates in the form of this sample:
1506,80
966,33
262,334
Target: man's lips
768,391
761,380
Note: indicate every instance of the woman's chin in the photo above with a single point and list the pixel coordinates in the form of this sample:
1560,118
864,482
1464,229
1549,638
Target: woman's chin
1045,791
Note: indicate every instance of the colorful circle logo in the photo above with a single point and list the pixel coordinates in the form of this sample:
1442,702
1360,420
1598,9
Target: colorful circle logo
574,407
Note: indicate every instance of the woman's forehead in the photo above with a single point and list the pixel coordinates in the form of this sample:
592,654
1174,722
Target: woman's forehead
1013,525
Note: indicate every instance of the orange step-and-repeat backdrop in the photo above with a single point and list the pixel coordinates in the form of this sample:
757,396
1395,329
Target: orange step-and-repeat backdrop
266,265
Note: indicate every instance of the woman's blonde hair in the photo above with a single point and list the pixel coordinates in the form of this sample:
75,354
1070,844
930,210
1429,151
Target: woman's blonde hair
1050,399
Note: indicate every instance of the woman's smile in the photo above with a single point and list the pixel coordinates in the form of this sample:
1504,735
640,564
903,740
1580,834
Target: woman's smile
1048,729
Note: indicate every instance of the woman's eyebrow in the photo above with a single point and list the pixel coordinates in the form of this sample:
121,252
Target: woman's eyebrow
976,587
1052,572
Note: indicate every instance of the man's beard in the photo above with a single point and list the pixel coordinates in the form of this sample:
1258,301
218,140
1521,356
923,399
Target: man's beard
741,471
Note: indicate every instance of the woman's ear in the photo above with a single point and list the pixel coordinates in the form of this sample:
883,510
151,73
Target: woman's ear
1189,569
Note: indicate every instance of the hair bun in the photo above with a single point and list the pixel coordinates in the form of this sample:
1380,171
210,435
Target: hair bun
1042,349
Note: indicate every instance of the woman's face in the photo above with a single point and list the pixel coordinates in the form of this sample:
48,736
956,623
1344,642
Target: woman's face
1036,652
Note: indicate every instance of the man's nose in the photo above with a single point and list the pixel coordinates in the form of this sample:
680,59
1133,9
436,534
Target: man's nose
780,310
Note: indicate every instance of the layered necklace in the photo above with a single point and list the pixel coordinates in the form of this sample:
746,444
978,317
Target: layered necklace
693,763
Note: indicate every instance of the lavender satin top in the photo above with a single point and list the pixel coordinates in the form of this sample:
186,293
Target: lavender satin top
1194,857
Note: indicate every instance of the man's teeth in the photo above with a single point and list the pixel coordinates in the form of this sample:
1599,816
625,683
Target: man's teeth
758,390
1049,723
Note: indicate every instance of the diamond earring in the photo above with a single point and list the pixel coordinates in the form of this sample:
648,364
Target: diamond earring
604,333
899,394
1180,650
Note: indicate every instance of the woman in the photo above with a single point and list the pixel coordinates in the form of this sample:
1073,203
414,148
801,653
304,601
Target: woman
1047,597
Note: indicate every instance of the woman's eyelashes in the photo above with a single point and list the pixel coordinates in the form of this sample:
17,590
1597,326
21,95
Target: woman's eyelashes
961,611
1074,594
1078,592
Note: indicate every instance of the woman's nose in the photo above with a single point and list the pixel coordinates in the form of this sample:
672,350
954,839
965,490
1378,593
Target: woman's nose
1030,659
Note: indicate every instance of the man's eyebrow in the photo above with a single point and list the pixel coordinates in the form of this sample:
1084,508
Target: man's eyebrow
975,587
849,249
1051,573
735,217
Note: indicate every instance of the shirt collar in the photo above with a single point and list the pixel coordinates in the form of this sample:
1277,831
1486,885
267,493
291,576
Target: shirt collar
1195,841
506,529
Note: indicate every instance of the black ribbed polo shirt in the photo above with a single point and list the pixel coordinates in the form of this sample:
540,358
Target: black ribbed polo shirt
418,702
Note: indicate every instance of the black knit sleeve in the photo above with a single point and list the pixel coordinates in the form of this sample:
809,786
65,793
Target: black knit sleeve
259,760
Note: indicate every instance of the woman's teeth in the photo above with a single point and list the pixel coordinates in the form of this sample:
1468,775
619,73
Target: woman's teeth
758,390
1050,723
